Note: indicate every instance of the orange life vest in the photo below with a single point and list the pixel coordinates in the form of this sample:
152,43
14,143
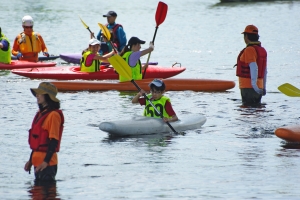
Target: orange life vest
38,137
243,69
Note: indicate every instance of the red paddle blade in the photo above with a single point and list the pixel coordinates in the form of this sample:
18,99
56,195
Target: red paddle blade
161,13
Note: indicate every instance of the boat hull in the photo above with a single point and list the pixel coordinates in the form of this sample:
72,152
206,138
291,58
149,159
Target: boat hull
41,58
172,84
141,125
73,72
289,133
20,64
75,58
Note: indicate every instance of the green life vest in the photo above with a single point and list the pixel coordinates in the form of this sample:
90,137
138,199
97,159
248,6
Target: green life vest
5,56
160,106
136,70
94,67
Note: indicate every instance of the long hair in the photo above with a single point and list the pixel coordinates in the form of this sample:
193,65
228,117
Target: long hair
51,105
252,37
125,49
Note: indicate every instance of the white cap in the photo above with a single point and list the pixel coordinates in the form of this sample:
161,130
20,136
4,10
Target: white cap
94,41
27,21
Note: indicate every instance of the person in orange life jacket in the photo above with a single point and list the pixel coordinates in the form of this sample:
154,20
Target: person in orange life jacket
131,53
161,102
252,68
118,36
28,44
45,133
90,58
4,49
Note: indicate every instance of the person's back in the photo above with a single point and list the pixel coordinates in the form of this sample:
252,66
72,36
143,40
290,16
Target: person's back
4,49
28,43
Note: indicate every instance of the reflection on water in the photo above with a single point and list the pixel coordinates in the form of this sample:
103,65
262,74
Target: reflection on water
43,190
4,72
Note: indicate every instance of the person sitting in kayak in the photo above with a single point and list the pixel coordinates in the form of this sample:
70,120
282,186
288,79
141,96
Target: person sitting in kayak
4,49
91,59
131,54
161,102
28,44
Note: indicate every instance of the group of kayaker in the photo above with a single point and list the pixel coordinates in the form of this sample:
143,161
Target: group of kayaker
47,127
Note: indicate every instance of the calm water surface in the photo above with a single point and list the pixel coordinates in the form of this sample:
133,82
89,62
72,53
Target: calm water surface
235,155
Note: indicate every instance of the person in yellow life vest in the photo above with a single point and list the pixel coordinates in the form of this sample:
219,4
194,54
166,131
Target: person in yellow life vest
252,68
4,49
91,59
131,54
28,44
159,100
45,133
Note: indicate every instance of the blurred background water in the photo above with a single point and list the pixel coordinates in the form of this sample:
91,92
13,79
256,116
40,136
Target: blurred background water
235,155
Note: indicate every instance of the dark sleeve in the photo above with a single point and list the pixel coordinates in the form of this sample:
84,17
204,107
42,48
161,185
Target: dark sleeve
51,149
5,45
142,101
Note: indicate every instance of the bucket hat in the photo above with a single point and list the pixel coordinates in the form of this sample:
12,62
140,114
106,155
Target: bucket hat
46,88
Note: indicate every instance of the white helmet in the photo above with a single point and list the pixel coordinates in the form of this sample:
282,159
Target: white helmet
27,21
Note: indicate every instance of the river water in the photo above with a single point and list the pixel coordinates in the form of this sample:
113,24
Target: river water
235,155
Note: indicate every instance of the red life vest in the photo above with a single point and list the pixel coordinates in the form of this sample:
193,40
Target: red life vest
243,69
38,137
115,40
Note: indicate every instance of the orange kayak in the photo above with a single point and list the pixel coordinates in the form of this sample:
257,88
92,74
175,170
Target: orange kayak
289,133
172,84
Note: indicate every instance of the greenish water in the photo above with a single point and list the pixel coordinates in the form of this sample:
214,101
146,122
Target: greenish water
235,155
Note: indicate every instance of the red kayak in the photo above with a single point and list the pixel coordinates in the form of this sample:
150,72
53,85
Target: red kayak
19,64
73,72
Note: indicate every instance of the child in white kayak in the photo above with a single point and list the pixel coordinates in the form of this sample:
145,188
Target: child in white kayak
161,102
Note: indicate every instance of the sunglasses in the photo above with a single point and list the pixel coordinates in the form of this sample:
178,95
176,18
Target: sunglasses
27,27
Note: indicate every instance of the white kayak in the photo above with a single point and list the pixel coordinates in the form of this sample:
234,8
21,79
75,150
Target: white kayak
140,125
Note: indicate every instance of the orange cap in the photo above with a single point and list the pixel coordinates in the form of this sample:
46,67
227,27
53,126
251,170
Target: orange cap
251,29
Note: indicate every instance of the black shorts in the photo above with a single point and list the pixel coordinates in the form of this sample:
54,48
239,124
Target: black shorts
48,174
250,97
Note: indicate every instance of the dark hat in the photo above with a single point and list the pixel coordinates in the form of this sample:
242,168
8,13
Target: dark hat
110,14
135,40
157,83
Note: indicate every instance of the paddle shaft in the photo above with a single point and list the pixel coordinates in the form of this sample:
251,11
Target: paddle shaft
160,15
150,52
145,96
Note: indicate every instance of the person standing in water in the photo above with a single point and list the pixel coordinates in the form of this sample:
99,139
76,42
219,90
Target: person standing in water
252,68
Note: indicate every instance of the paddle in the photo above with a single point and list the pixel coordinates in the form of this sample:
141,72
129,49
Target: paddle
289,90
107,34
123,69
87,27
160,16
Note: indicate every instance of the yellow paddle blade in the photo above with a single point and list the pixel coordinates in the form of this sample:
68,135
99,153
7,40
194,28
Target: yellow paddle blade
121,66
105,31
289,90
84,24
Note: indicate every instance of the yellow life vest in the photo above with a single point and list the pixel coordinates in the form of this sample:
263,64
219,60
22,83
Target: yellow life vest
136,70
29,44
94,67
5,56
160,106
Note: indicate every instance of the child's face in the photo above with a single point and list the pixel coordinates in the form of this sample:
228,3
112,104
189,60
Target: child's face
94,48
156,94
